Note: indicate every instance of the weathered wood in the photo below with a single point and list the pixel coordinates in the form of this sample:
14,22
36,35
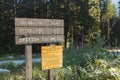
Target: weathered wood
30,31
38,30
27,39
38,22
51,74
28,61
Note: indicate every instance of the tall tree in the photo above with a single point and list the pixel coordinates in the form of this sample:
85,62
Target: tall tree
119,7
6,29
89,20
115,30
107,12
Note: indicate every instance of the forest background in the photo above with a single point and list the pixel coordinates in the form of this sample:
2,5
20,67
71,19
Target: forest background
85,21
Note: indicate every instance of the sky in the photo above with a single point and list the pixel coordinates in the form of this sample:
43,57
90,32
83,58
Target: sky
115,2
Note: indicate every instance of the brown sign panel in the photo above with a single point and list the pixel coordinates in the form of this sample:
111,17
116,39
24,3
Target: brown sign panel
39,39
38,22
38,30
52,57
30,31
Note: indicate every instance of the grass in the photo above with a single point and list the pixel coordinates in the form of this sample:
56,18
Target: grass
17,56
78,65
81,64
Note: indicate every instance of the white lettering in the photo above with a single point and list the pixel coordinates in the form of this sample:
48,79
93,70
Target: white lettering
22,22
21,30
40,31
44,39
20,40
56,23
28,40
39,23
59,38
31,31
30,23
52,38
48,38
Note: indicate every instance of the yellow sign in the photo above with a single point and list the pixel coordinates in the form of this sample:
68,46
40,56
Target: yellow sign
51,57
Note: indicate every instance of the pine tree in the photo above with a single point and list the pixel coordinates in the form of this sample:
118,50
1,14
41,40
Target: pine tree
107,12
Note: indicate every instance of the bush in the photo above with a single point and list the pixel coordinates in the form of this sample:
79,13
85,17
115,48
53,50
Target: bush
82,64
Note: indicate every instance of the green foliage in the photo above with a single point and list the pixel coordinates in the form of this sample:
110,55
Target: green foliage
38,74
114,33
83,64
107,21
82,19
8,66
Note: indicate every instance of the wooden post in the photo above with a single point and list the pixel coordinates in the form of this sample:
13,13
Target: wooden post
28,61
51,72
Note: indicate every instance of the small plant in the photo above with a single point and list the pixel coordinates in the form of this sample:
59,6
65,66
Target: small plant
8,65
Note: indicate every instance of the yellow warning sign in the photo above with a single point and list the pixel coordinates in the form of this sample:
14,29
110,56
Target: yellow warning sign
52,57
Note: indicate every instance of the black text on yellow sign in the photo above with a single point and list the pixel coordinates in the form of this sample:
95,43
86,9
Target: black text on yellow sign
52,57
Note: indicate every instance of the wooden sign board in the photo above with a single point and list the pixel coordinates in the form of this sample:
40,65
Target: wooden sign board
30,31
39,39
52,57
38,22
38,30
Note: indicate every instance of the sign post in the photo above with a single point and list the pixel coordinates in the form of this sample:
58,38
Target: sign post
52,58
51,74
28,61
30,31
